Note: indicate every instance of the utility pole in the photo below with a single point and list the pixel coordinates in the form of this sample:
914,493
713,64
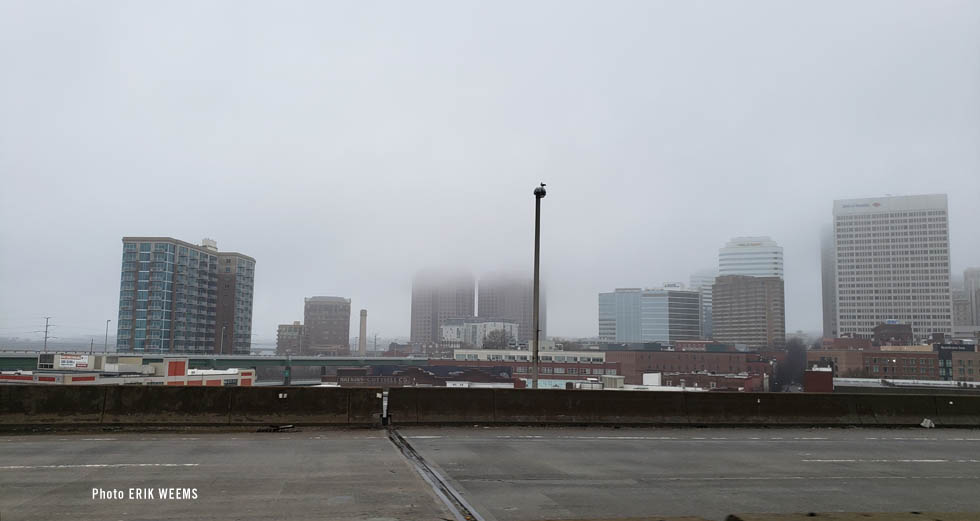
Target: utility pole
91,346
375,342
46,319
539,194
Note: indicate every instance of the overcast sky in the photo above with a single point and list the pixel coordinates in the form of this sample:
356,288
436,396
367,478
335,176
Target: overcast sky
347,145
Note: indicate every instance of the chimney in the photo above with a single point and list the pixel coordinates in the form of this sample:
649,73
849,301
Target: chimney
362,338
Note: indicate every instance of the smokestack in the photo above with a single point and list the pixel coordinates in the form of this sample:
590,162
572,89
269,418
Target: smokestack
362,338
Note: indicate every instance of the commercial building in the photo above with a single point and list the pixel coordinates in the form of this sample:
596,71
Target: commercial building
747,383
510,297
854,344
81,369
438,295
520,355
964,365
892,333
751,256
917,362
473,332
892,264
828,281
962,309
178,297
847,363
634,363
289,339
326,323
702,282
902,364
749,310
555,371
649,315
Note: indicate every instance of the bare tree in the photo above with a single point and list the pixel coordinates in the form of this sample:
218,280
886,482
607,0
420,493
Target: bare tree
497,339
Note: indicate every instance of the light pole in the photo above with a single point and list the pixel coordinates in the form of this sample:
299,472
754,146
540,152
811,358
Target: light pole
105,348
539,194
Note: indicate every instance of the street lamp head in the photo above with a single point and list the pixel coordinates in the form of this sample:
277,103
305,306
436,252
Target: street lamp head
539,192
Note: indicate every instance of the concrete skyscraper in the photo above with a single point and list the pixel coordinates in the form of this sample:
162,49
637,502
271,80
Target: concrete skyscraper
438,295
326,325
178,297
752,256
828,281
749,310
511,296
971,286
892,264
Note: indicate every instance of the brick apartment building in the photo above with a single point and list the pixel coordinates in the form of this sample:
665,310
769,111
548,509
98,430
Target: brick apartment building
914,362
750,383
965,366
635,363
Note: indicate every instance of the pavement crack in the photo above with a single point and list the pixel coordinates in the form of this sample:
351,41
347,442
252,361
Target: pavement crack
453,500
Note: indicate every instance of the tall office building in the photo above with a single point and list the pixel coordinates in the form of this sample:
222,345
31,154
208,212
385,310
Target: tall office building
289,339
178,297
438,295
511,297
752,256
749,310
971,286
649,315
828,281
702,281
326,325
962,309
893,264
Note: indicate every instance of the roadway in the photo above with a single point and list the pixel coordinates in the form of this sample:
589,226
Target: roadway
502,473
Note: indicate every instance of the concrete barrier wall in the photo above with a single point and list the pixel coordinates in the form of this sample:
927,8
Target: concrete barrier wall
31,405
68,405
53,405
407,406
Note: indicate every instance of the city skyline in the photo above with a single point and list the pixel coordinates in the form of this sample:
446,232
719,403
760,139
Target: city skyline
495,275
345,176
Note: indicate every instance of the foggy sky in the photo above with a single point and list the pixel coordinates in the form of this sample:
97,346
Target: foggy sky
347,145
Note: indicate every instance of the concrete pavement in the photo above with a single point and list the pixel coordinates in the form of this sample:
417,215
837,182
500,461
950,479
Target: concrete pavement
330,474
503,473
511,474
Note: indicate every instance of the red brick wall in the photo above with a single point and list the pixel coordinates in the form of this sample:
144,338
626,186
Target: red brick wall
635,363
818,381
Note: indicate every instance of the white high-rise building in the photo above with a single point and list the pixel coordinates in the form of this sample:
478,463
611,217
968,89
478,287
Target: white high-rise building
702,281
752,256
893,264
474,331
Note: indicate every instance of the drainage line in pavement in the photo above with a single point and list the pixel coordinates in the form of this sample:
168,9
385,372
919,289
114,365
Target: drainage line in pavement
453,499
